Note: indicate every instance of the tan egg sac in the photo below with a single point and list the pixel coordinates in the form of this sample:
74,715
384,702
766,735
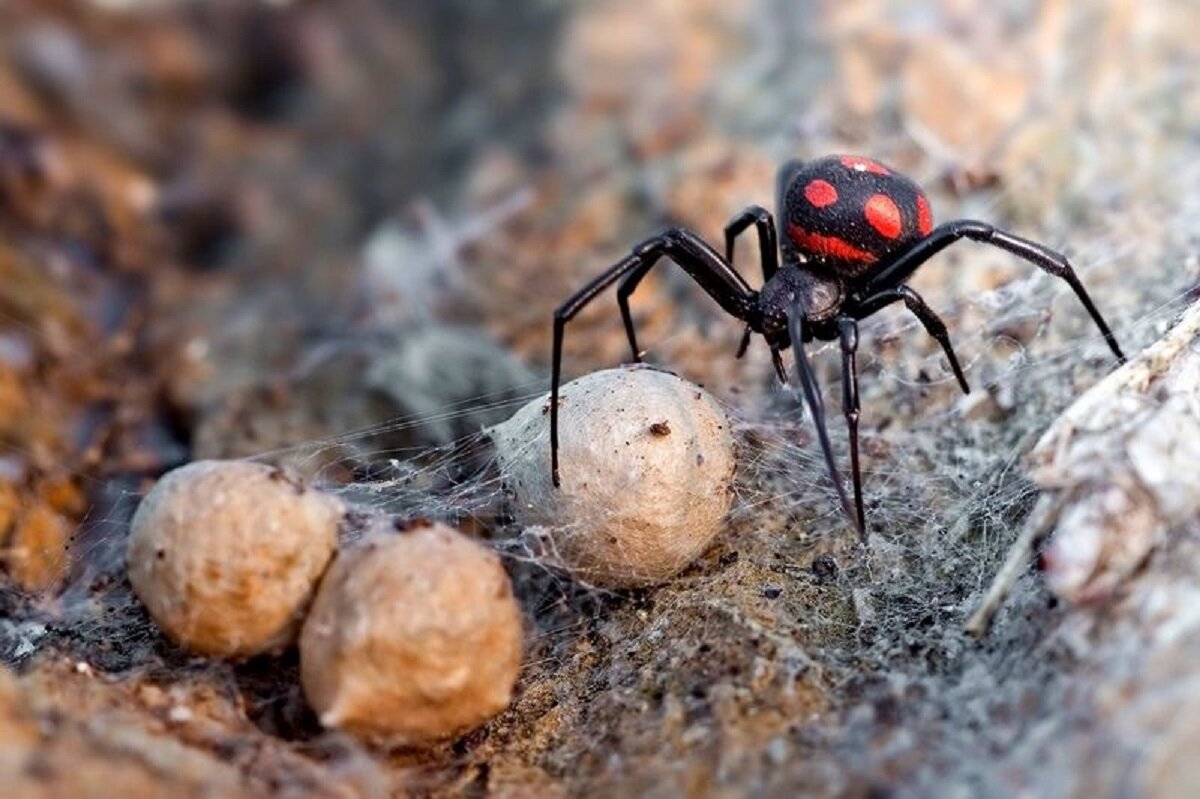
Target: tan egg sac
226,555
413,637
646,463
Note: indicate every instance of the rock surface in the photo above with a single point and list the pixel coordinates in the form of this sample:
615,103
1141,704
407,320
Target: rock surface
187,196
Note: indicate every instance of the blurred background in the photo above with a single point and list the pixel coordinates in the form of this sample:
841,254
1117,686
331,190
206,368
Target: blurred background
252,228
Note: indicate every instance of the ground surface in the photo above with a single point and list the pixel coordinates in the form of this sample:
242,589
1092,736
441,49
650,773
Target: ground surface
333,235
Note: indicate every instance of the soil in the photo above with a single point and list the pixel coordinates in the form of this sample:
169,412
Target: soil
237,229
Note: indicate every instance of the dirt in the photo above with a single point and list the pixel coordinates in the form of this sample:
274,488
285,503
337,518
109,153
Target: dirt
232,229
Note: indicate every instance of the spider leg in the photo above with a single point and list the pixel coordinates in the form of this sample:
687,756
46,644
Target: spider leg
768,249
627,287
777,360
816,407
675,241
686,249
933,323
764,225
944,235
848,333
745,344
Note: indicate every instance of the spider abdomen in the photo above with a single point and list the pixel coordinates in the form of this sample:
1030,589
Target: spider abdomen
851,212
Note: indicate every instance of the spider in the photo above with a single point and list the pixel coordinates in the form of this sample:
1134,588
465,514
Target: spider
854,231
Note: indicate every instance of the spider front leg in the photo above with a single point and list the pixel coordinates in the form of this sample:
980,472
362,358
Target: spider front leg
1048,260
686,249
768,249
816,408
764,225
848,334
932,323
688,240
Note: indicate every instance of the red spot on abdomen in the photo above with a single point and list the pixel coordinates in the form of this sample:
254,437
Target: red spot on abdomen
864,164
924,216
820,193
828,246
884,216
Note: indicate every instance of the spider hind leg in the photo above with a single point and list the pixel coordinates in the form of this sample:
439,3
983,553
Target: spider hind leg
1049,261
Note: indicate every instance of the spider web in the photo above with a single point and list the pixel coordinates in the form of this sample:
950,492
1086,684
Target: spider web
946,496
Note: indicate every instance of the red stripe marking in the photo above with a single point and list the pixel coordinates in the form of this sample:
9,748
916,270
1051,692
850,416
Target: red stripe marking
884,216
829,246
864,164
820,193
924,215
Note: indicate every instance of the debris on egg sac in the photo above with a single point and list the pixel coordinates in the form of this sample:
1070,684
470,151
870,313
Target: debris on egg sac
226,554
646,464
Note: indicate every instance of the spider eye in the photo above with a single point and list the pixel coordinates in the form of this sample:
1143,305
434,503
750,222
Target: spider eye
775,329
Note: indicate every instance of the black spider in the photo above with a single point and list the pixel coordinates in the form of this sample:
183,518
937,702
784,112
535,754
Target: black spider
855,231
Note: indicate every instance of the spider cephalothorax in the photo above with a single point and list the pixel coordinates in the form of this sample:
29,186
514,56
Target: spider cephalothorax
854,231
